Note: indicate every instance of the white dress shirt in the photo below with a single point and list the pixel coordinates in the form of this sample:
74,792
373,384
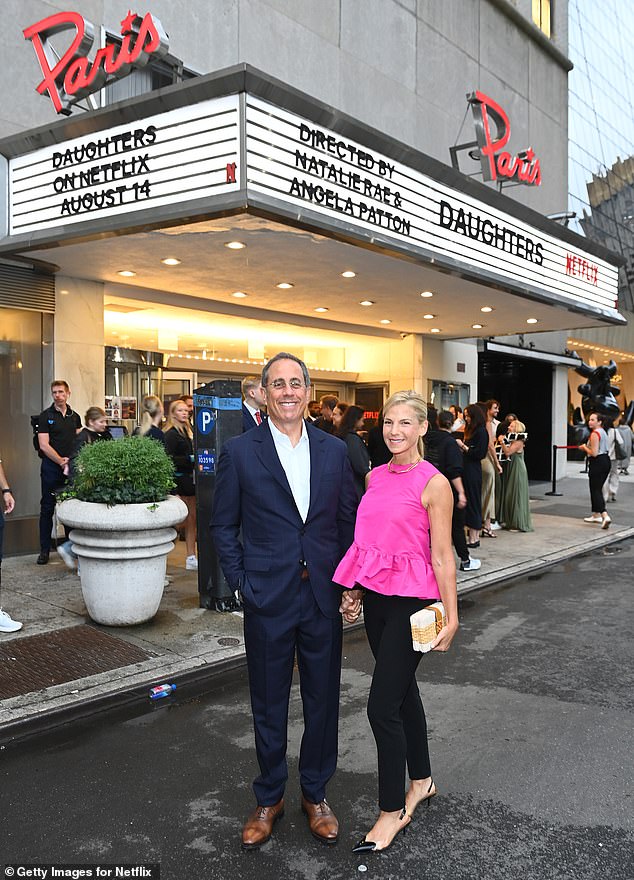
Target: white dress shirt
296,463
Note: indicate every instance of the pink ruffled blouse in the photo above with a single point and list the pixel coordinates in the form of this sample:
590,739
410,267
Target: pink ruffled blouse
391,553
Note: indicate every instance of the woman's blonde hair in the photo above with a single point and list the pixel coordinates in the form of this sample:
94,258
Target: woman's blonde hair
414,400
520,427
150,405
182,428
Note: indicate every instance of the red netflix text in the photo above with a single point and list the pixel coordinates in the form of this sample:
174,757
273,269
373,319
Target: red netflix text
581,268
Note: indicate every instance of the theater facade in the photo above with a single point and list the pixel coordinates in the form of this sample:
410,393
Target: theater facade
191,232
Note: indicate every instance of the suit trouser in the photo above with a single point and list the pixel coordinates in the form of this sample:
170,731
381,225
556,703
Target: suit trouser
395,709
52,477
271,643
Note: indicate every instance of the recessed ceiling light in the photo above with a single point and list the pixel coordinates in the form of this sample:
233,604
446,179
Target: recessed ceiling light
235,245
366,302
426,293
477,326
428,317
239,294
435,330
126,273
171,261
321,309
486,309
284,285
64,292
385,321
348,274
532,321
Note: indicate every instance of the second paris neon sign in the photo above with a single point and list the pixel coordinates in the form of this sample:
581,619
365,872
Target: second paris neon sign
73,76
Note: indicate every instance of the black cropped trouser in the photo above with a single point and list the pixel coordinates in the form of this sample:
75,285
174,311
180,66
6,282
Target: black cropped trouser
598,470
395,710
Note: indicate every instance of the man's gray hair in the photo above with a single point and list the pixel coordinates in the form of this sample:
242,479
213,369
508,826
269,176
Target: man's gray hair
285,356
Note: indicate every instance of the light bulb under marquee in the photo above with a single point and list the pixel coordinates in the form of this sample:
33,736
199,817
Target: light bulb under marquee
366,302
486,309
428,317
348,274
126,273
235,245
239,294
385,321
171,261
285,285
477,326
426,294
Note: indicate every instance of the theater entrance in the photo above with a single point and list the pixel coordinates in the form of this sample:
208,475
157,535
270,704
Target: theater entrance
523,387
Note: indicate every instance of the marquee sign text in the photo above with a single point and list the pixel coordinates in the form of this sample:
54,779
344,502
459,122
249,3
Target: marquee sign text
165,159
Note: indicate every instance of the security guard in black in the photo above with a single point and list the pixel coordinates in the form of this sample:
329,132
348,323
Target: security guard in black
57,428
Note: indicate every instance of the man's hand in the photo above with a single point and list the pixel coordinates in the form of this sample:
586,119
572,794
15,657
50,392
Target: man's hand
9,502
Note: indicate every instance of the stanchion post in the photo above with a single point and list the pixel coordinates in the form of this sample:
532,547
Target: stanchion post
554,473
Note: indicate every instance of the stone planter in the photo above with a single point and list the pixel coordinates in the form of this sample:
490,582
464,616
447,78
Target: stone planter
122,552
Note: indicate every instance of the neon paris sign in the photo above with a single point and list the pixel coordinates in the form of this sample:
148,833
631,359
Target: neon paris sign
73,76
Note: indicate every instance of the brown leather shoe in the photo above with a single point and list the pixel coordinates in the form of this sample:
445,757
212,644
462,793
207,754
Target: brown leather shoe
259,826
322,821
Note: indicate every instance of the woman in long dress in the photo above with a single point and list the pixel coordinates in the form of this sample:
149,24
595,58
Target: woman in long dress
475,447
401,561
514,509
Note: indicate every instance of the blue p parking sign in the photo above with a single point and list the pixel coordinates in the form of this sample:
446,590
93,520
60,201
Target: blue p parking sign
205,420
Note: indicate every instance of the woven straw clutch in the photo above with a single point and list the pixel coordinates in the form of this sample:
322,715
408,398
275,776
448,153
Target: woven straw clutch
426,624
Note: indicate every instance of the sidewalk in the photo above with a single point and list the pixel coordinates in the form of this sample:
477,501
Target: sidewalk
60,667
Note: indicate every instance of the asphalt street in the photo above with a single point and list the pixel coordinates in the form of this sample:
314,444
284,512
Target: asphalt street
530,720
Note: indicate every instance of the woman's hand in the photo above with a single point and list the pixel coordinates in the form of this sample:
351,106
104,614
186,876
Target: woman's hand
351,602
445,637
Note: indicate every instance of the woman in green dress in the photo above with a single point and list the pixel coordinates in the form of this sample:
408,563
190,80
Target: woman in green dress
515,511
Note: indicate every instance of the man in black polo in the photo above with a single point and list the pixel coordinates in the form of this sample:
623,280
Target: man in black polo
57,427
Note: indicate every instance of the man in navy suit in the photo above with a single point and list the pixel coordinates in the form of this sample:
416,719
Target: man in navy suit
253,403
283,516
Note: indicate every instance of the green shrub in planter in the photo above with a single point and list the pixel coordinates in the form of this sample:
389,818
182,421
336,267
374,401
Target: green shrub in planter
133,470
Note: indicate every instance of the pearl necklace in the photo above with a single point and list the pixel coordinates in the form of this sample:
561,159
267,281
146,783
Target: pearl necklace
406,471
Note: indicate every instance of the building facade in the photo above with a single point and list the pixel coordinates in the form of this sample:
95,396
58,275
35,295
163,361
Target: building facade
293,188
601,166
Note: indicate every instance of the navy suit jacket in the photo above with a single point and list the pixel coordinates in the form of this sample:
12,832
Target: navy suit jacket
248,421
258,532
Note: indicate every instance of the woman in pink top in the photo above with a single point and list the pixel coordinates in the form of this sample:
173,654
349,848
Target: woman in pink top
401,560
